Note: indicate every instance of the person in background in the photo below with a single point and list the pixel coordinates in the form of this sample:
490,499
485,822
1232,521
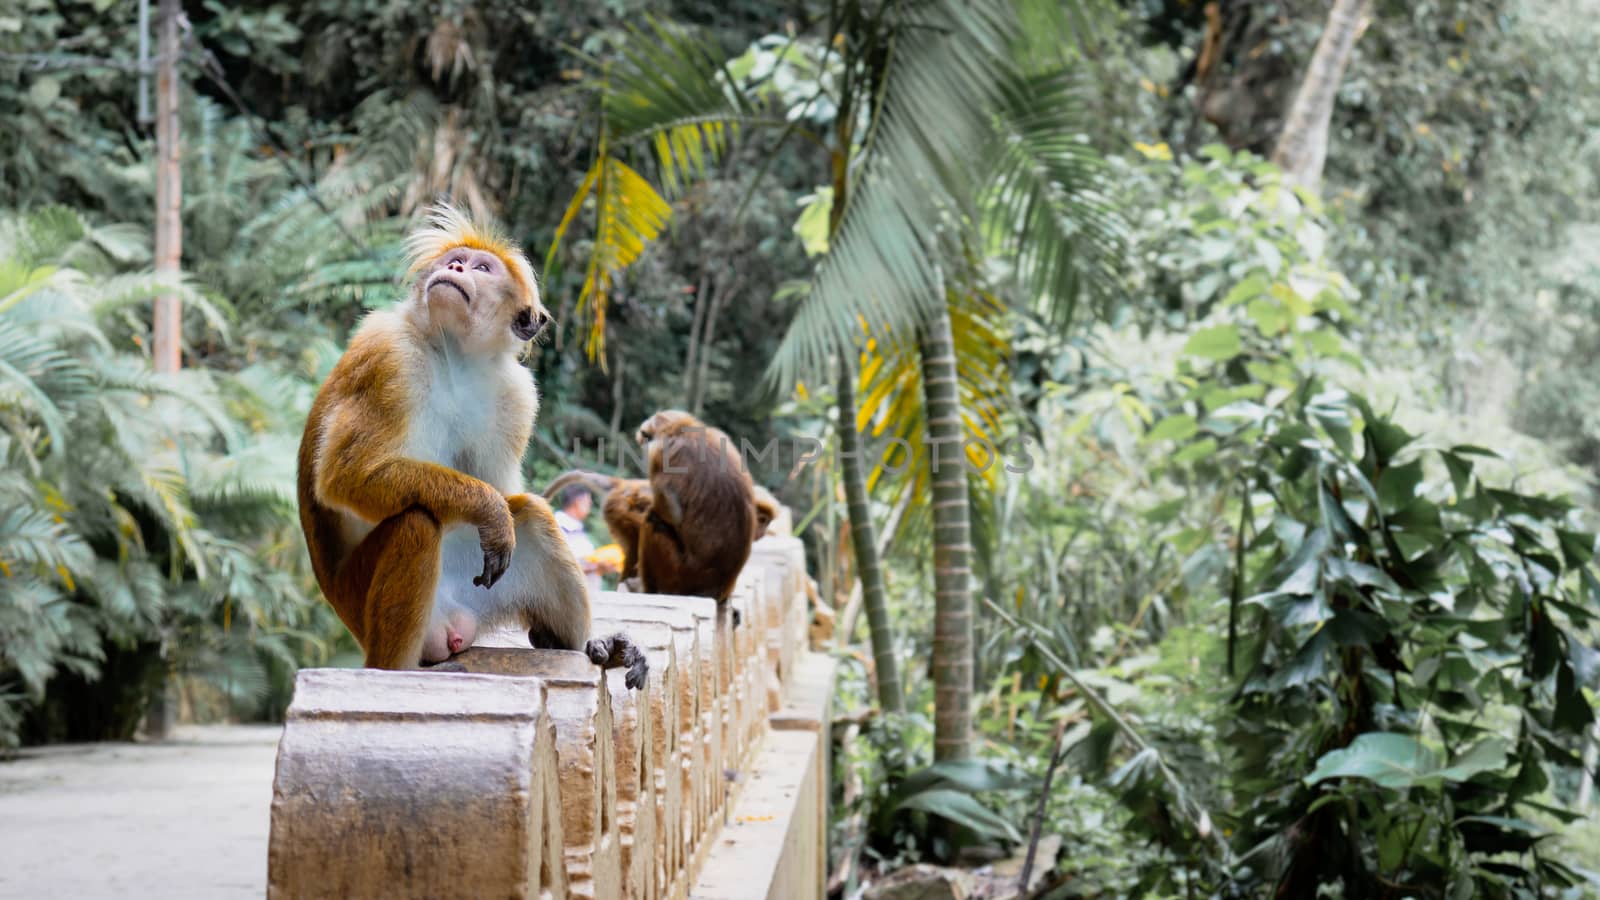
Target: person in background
576,502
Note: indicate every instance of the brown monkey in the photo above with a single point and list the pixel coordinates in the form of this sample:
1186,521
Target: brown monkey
688,528
410,482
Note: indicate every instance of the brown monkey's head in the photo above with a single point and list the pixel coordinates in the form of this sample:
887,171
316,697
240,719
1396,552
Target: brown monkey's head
472,281
665,424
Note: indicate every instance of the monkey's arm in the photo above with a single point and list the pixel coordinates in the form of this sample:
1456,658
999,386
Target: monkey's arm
360,471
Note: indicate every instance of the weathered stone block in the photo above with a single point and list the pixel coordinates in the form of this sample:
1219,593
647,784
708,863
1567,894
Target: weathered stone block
579,704
690,794
649,770
415,784
716,652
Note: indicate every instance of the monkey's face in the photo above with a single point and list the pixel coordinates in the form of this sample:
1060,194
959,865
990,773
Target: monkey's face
471,294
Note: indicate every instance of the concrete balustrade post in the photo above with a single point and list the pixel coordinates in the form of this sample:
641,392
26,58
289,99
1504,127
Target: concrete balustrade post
694,787
412,784
715,652
650,797
578,702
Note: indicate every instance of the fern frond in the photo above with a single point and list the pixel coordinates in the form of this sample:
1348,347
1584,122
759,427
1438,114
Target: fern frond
32,539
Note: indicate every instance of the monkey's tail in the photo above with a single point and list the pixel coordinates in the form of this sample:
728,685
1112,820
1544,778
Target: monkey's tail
594,481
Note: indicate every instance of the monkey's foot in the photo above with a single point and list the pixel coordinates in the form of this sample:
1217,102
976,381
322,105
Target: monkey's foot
634,585
619,651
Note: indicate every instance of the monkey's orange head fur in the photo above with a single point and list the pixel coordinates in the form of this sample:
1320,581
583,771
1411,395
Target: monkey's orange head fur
448,229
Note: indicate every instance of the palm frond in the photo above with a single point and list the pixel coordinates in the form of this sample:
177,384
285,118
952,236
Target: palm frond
253,485
629,213
33,539
122,291
1047,205
891,413
19,280
675,92
947,70
40,381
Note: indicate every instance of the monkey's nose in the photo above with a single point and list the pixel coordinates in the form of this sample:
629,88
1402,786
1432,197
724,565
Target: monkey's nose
456,265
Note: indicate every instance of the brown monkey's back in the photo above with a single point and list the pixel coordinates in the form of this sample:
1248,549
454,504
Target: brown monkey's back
364,381
700,471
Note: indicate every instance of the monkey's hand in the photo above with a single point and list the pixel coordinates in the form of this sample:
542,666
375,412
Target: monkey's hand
616,651
497,534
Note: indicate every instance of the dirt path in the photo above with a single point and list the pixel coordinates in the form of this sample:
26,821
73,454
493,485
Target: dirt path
186,818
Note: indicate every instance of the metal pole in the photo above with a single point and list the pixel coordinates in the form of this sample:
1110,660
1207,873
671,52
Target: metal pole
169,191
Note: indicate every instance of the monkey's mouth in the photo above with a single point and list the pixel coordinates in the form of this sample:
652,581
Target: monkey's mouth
441,279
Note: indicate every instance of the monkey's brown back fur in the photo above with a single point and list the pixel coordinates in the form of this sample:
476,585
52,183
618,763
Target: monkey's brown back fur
688,528
702,520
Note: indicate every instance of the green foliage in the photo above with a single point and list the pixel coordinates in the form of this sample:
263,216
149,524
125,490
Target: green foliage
1405,642
138,512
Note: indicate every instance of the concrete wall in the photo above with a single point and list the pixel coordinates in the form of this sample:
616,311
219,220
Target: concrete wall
537,774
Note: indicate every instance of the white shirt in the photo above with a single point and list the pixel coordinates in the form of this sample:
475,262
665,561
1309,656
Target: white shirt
582,546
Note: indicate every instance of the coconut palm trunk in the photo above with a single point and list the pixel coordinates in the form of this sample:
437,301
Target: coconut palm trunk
864,540
952,545
1303,144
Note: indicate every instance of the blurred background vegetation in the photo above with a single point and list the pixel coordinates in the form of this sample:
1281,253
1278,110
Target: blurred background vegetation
1295,592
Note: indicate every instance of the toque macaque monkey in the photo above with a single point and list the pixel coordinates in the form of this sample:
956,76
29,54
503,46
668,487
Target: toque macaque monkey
688,528
410,481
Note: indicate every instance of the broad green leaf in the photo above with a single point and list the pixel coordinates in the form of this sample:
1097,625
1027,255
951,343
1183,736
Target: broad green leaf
812,226
1220,342
1528,505
1195,452
1308,664
1572,711
1361,574
1397,486
962,809
1249,289
1296,305
1325,342
969,775
1577,547
1173,428
1271,318
1488,755
1460,469
1390,760
1388,439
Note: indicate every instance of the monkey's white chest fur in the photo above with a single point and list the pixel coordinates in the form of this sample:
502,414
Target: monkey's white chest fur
474,416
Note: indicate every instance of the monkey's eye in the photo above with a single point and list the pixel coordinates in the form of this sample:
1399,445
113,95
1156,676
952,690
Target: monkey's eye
482,267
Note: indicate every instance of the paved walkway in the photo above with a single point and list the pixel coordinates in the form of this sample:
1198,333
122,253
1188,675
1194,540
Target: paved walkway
185,818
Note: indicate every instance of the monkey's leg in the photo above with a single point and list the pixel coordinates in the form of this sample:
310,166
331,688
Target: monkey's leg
661,558
388,582
625,509
547,586
543,588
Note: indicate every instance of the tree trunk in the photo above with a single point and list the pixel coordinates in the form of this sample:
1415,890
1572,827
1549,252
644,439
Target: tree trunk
1303,144
690,366
952,546
852,470
719,301
167,323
